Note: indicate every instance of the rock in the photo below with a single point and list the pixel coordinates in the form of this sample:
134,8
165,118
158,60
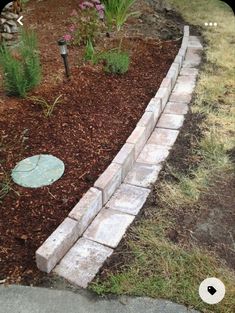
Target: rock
11,23
14,29
163,5
7,36
2,20
9,15
165,35
149,19
8,7
6,28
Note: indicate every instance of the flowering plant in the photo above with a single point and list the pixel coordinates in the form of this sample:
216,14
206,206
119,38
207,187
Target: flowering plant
86,23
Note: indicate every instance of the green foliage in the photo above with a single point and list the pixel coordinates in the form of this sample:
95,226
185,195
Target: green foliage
21,71
28,52
86,26
89,52
116,62
117,12
47,107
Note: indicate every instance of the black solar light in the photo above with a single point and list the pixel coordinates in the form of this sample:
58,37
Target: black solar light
64,53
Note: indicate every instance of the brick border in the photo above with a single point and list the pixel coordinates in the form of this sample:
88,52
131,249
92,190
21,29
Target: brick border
144,151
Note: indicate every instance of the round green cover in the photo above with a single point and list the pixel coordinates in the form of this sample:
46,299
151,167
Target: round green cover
37,171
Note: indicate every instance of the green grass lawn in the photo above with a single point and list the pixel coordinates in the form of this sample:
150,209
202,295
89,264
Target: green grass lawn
152,265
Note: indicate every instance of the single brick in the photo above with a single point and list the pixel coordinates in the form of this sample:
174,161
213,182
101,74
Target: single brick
163,137
194,42
185,42
189,71
177,97
179,60
147,121
176,108
173,72
163,95
171,121
80,265
155,106
182,53
192,58
185,85
186,30
175,66
109,181
128,199
108,227
57,245
143,175
167,83
183,89
125,158
87,208
153,154
138,138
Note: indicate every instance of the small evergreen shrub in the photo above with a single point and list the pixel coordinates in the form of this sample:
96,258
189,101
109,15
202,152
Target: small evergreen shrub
21,70
116,62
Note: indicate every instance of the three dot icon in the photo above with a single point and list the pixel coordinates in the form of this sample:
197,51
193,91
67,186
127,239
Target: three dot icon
211,24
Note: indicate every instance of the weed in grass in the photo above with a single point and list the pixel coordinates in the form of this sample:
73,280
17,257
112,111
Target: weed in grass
214,152
47,107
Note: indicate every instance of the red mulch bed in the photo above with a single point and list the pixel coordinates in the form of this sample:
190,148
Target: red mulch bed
97,114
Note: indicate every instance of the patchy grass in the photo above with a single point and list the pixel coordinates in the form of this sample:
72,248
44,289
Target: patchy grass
147,261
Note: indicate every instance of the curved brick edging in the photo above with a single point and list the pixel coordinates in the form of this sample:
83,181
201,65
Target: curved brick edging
104,213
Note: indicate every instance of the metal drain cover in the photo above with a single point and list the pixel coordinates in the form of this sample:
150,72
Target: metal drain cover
37,171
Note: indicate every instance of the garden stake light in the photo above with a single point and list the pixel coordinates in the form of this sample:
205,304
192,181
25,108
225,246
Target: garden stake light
64,53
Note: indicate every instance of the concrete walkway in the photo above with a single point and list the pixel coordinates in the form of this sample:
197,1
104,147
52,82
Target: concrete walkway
21,299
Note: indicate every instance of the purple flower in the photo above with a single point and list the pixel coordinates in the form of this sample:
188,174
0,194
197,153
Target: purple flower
67,37
82,6
99,7
88,4
101,14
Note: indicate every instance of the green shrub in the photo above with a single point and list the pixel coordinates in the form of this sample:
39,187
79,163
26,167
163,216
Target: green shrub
22,70
116,62
86,24
117,12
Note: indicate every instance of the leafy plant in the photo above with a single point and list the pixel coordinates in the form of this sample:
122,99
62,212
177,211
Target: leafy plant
47,107
21,70
86,24
116,62
89,52
117,12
